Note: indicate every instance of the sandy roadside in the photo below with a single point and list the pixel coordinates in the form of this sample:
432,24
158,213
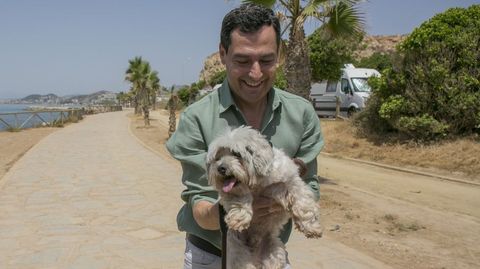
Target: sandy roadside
13,145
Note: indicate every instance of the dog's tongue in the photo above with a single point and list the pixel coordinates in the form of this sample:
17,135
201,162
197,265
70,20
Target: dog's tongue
228,184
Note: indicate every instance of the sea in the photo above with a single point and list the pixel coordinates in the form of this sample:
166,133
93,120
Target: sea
5,108
17,120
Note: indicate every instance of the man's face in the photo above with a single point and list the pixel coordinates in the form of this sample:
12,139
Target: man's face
251,62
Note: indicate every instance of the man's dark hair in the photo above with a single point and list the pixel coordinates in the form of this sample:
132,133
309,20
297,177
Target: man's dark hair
248,18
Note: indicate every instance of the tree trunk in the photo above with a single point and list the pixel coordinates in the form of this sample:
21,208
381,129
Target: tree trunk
136,103
297,64
146,115
154,101
172,121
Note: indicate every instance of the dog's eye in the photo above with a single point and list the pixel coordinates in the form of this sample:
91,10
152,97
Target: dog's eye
236,154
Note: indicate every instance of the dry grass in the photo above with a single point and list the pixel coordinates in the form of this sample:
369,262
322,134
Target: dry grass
458,158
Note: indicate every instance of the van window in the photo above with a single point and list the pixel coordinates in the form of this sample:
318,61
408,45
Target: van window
331,86
345,86
361,85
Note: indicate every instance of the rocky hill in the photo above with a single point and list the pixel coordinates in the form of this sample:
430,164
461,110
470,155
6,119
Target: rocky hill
211,66
379,43
94,98
100,97
369,45
42,99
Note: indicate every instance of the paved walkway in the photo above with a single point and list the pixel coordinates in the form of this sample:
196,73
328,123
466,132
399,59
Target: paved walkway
90,196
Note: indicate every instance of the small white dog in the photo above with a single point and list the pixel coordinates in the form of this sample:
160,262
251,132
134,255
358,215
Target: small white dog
242,165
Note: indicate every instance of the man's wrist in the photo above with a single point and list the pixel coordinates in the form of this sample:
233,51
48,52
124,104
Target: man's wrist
206,215
302,167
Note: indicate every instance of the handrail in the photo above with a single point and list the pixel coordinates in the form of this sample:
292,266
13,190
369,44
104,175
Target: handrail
39,111
62,116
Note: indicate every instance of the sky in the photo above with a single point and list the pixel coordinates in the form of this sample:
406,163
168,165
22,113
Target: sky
70,47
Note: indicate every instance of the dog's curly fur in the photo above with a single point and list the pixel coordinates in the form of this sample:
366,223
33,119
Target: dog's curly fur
242,165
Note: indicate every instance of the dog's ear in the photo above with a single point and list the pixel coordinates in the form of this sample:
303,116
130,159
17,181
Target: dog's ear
262,155
209,158
211,154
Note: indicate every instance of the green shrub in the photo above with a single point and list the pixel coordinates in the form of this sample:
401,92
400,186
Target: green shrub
218,78
329,54
184,95
392,106
379,61
13,129
434,91
280,79
424,126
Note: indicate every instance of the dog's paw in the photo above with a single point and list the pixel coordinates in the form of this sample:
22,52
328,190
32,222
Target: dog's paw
238,220
311,229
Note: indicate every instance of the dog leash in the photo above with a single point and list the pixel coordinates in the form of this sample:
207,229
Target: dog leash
224,230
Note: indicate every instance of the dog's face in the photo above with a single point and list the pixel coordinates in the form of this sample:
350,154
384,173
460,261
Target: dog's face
240,156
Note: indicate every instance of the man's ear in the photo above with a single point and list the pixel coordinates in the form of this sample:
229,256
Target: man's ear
223,53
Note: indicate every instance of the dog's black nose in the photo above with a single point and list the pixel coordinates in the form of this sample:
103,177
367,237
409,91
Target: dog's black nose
222,170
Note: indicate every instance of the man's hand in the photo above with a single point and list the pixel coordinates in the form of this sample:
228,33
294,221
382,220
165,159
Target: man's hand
206,215
302,167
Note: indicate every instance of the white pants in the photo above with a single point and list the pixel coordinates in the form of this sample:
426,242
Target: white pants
196,258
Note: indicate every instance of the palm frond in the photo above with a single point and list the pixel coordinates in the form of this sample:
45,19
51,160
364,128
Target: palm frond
267,3
311,10
345,18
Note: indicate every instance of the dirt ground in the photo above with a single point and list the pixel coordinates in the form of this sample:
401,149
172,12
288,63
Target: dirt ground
459,158
404,220
13,145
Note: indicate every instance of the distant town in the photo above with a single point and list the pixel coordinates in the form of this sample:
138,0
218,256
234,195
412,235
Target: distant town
97,98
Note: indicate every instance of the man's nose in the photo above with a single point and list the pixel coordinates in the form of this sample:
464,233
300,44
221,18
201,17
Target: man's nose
256,71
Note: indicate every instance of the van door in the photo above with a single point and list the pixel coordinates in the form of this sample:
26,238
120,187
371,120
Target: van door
345,94
328,99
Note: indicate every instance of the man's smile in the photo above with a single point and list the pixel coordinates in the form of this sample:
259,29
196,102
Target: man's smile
253,84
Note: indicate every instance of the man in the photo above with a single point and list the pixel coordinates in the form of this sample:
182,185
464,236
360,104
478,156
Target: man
249,46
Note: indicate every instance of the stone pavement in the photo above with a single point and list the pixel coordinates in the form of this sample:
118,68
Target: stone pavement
91,196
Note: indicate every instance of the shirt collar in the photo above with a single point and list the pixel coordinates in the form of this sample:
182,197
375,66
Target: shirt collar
226,98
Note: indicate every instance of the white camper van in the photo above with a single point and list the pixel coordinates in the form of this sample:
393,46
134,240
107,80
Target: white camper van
352,90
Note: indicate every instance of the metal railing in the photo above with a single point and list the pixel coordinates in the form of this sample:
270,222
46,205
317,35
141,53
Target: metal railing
94,109
29,119
50,117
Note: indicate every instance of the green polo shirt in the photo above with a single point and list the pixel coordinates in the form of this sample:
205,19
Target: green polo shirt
290,123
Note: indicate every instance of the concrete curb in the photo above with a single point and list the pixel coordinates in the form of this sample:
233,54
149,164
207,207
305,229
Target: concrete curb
391,167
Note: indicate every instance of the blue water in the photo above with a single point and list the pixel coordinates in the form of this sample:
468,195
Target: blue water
18,119
4,108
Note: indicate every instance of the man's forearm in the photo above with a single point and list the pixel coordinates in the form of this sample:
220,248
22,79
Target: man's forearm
206,215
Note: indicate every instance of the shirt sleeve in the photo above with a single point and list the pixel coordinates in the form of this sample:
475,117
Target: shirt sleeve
311,145
188,146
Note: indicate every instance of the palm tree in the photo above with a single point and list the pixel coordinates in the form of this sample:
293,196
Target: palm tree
337,17
153,84
121,98
144,81
134,76
172,108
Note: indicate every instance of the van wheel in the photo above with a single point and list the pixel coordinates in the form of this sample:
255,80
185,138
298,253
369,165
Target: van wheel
351,111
